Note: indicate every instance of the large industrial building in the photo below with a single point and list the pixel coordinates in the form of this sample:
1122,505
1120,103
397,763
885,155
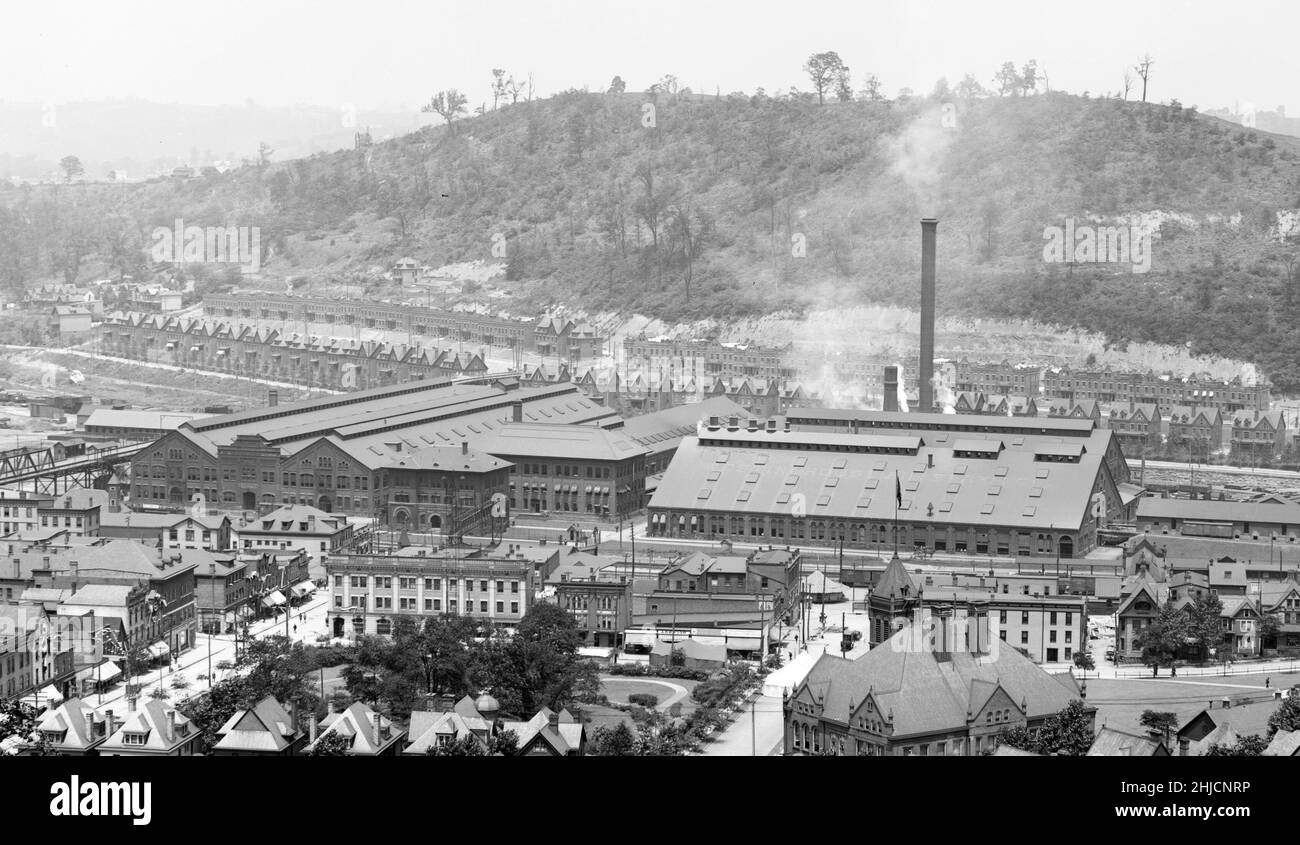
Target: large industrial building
417,455
977,485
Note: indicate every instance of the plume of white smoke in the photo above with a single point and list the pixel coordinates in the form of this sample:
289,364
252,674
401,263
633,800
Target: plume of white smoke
942,390
902,389
916,155
1249,375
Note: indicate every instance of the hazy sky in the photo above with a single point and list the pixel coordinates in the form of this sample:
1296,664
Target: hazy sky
373,53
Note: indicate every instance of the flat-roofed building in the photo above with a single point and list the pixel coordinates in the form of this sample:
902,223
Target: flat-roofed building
370,592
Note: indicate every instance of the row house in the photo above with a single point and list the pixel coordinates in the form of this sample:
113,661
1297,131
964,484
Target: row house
1083,409
1001,377
1198,428
1164,390
567,339
418,321
1259,434
1136,425
328,362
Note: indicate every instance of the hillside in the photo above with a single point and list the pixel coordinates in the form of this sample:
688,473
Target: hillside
695,217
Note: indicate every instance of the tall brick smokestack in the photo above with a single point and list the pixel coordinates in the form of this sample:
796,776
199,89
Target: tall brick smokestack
929,229
891,388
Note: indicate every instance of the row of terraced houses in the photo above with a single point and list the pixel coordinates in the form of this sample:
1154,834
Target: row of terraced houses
329,362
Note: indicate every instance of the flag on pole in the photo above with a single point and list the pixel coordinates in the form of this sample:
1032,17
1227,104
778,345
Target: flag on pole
898,489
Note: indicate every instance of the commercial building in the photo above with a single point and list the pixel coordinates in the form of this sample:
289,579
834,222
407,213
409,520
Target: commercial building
370,592
951,487
924,692
20,510
169,530
997,378
1221,519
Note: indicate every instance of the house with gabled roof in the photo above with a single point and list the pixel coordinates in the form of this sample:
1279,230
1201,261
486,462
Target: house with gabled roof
153,729
1258,433
1111,742
549,734
73,729
368,732
1198,428
1140,603
264,730
1282,600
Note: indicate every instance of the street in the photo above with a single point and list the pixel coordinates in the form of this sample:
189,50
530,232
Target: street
209,651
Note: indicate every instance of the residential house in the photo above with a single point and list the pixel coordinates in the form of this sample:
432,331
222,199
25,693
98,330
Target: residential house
549,734
264,730
369,733
1111,742
153,729
1196,428
74,729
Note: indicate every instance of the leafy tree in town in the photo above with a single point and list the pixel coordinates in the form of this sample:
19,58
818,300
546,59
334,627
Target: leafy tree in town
825,70
1286,717
1068,733
332,744
277,667
1160,640
504,744
617,86
1204,623
1083,660
618,741
1159,720
1007,81
18,732
1252,745
872,89
537,667
1269,624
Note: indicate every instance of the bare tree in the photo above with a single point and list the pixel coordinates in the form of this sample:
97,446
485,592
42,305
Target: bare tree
1128,83
872,89
1144,70
498,86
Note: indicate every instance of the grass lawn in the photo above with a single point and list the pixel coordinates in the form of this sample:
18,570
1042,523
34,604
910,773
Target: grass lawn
618,688
1120,702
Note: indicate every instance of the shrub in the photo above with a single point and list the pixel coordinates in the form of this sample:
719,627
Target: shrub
644,699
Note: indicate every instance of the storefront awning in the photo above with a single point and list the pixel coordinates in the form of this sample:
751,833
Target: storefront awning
304,588
275,599
103,673
159,649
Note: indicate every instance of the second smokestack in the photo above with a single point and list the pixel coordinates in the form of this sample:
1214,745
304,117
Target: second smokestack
929,230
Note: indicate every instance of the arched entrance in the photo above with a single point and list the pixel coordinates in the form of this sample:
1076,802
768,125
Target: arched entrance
338,626
1066,545
435,522
400,517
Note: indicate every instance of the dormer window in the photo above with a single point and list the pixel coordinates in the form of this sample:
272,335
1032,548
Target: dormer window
134,738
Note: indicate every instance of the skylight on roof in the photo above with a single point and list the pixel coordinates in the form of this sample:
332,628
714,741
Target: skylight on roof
742,496
879,465
920,467
831,482
986,509
911,486
791,480
760,460
1029,510
721,457
751,478
801,461
1035,492
1042,473
714,475
704,493
1000,472
995,490
959,469
782,498
955,487
872,483
945,507
840,463
823,501
864,502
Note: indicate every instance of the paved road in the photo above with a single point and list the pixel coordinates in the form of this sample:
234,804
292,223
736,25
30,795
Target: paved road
195,662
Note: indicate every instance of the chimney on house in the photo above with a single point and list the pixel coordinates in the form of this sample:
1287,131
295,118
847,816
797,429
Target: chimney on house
311,728
891,388
553,719
109,725
272,398
374,725
733,423
90,723
929,229
929,460
464,447
169,729
771,426
517,411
